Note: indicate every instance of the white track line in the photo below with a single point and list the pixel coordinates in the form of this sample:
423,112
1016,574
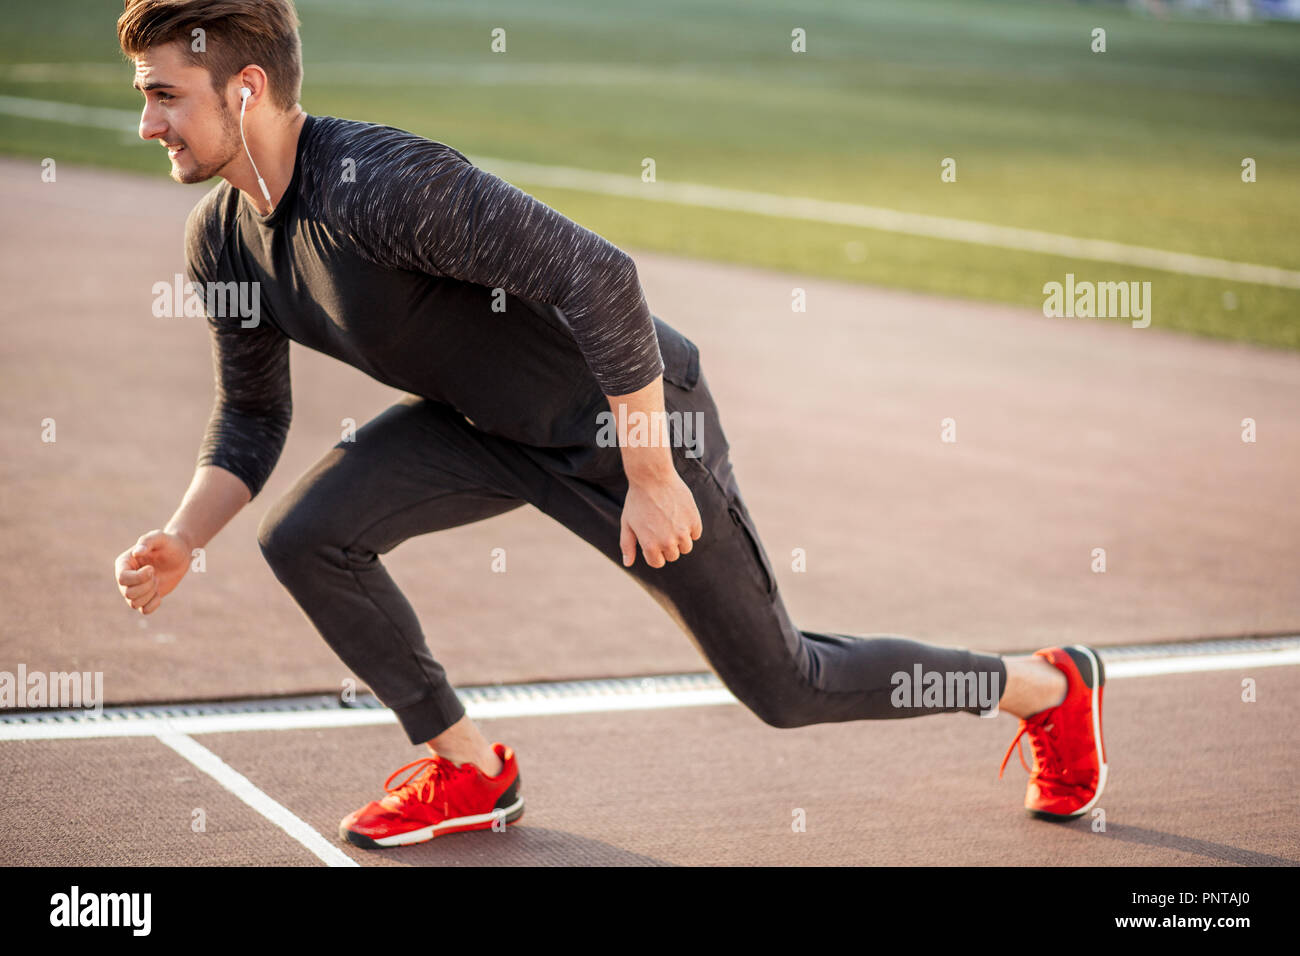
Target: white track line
361,717
783,207
1205,662
577,704
123,121
892,220
243,788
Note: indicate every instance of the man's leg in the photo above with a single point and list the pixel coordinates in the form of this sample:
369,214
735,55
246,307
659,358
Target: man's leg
724,596
417,467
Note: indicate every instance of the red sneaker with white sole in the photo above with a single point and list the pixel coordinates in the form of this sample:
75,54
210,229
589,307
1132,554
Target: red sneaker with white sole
437,799
1069,769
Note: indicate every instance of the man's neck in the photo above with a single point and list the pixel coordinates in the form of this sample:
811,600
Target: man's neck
275,156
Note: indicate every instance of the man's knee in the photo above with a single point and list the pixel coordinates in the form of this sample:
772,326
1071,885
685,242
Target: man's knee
782,712
281,533
290,535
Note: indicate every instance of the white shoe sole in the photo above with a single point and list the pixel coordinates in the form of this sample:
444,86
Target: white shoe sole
509,814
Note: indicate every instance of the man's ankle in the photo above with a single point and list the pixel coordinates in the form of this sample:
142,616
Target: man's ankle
490,764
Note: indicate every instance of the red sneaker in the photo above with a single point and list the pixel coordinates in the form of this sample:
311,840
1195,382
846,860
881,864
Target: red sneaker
1069,758
438,799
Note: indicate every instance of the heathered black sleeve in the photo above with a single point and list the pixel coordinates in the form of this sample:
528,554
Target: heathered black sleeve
254,403
422,205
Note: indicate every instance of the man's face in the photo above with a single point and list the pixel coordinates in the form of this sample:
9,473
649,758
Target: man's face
183,112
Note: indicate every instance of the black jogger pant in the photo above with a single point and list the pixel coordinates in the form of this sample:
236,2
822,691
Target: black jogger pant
420,466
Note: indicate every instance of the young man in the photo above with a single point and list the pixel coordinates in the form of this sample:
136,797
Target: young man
389,252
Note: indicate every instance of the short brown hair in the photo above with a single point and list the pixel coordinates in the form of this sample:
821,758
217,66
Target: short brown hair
236,33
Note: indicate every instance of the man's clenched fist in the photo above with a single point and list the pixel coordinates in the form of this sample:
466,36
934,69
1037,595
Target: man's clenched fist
151,569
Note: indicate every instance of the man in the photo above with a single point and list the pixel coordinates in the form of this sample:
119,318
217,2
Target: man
393,253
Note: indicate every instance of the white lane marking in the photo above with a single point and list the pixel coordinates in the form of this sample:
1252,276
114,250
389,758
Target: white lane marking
73,113
315,720
783,207
452,72
892,220
588,703
1208,662
243,788
599,704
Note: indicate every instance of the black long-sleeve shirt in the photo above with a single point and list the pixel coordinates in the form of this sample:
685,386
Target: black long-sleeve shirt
388,251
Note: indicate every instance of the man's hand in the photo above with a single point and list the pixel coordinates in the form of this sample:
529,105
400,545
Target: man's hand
662,516
152,569
659,511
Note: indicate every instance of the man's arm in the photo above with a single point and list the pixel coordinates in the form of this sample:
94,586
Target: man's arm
239,450
253,405
213,498
245,435
653,462
659,512
249,424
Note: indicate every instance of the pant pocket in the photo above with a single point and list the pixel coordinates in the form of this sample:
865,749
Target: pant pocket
740,516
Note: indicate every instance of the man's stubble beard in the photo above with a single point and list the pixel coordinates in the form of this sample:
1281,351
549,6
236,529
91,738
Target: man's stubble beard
230,147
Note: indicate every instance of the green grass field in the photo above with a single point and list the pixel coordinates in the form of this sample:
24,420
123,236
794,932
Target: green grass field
1141,144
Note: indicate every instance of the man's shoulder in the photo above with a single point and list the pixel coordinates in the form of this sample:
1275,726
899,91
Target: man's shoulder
359,140
379,185
208,226
355,171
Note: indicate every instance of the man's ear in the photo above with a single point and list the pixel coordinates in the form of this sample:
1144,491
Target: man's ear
252,78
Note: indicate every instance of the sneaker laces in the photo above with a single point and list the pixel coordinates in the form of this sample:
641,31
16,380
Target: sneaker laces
1043,741
428,774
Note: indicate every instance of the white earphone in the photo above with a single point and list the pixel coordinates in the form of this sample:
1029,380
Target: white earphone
244,94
